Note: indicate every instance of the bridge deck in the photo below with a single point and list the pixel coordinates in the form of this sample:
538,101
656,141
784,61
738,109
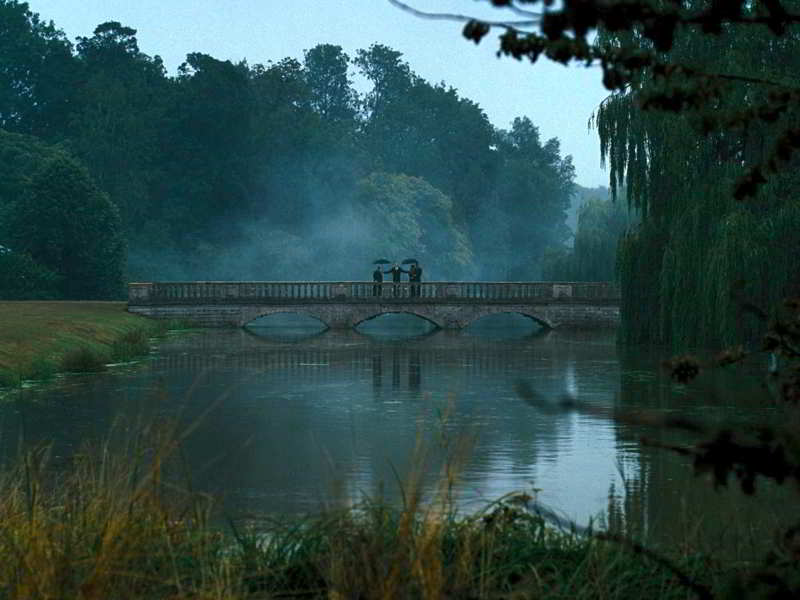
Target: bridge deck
321,292
344,304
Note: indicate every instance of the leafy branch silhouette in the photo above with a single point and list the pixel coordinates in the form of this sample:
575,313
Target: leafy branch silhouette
744,453
564,35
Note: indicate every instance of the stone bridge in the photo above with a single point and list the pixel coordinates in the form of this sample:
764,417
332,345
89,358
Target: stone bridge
345,304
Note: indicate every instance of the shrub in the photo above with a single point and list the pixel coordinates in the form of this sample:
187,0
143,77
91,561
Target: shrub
9,379
22,278
83,360
39,368
131,345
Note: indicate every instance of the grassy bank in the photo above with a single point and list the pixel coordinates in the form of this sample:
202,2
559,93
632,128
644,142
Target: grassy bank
110,526
39,339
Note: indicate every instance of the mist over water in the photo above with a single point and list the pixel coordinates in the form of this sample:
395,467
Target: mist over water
338,242
302,194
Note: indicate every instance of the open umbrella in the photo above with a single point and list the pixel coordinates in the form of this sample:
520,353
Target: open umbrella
381,261
408,261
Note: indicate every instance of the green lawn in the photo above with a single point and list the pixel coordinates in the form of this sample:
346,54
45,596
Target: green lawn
36,338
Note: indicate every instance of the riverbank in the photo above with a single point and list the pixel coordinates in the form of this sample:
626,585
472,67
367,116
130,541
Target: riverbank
40,339
117,523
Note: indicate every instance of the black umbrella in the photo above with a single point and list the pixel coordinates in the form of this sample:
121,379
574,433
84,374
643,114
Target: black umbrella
381,261
408,261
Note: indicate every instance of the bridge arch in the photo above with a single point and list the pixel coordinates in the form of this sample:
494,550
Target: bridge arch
248,316
534,316
422,314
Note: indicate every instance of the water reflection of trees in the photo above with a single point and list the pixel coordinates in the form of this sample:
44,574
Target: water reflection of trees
294,419
297,420
348,408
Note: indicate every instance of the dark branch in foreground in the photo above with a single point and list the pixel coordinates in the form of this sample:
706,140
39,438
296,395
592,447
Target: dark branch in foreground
465,18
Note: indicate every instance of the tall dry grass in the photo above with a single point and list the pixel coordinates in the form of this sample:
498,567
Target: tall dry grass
109,525
117,522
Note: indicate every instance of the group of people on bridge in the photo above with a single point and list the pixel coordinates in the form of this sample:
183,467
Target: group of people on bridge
414,273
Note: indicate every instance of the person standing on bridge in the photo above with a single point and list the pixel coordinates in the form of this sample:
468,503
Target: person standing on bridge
377,277
415,278
396,272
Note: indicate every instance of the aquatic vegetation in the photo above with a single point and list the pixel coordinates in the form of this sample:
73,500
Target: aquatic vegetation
9,378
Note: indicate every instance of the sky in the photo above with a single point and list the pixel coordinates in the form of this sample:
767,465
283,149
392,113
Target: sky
559,100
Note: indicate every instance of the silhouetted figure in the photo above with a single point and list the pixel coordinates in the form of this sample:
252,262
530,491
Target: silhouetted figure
377,277
396,272
415,277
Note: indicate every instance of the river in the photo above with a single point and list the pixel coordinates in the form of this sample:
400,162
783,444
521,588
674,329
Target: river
292,420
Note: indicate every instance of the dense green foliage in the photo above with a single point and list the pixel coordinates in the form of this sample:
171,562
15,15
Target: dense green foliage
69,226
406,216
699,253
23,278
283,170
62,234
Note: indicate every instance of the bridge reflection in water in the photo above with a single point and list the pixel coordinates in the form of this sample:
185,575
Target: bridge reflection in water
345,304
343,411
315,358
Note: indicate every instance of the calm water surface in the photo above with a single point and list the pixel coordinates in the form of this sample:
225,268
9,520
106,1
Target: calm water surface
291,420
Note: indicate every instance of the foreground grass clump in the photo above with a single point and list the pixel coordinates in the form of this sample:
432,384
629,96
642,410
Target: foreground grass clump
506,552
39,339
114,524
105,528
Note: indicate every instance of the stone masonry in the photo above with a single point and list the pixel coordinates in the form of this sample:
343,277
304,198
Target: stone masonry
341,307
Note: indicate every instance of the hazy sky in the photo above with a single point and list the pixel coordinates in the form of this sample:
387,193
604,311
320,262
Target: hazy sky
558,100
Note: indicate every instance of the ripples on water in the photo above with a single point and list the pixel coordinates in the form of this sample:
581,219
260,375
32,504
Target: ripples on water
303,418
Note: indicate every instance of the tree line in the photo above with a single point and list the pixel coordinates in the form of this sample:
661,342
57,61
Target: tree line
266,171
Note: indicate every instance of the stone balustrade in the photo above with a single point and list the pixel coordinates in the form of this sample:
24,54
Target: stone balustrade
345,304
312,292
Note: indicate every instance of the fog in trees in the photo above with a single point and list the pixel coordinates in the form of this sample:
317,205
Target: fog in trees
274,171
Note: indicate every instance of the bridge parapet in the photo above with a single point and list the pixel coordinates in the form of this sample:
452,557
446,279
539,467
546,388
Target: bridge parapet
323,292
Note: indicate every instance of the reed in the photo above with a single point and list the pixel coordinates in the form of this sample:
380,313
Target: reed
106,527
374,551
117,523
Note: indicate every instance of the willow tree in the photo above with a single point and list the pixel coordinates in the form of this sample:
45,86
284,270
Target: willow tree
699,251
702,126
